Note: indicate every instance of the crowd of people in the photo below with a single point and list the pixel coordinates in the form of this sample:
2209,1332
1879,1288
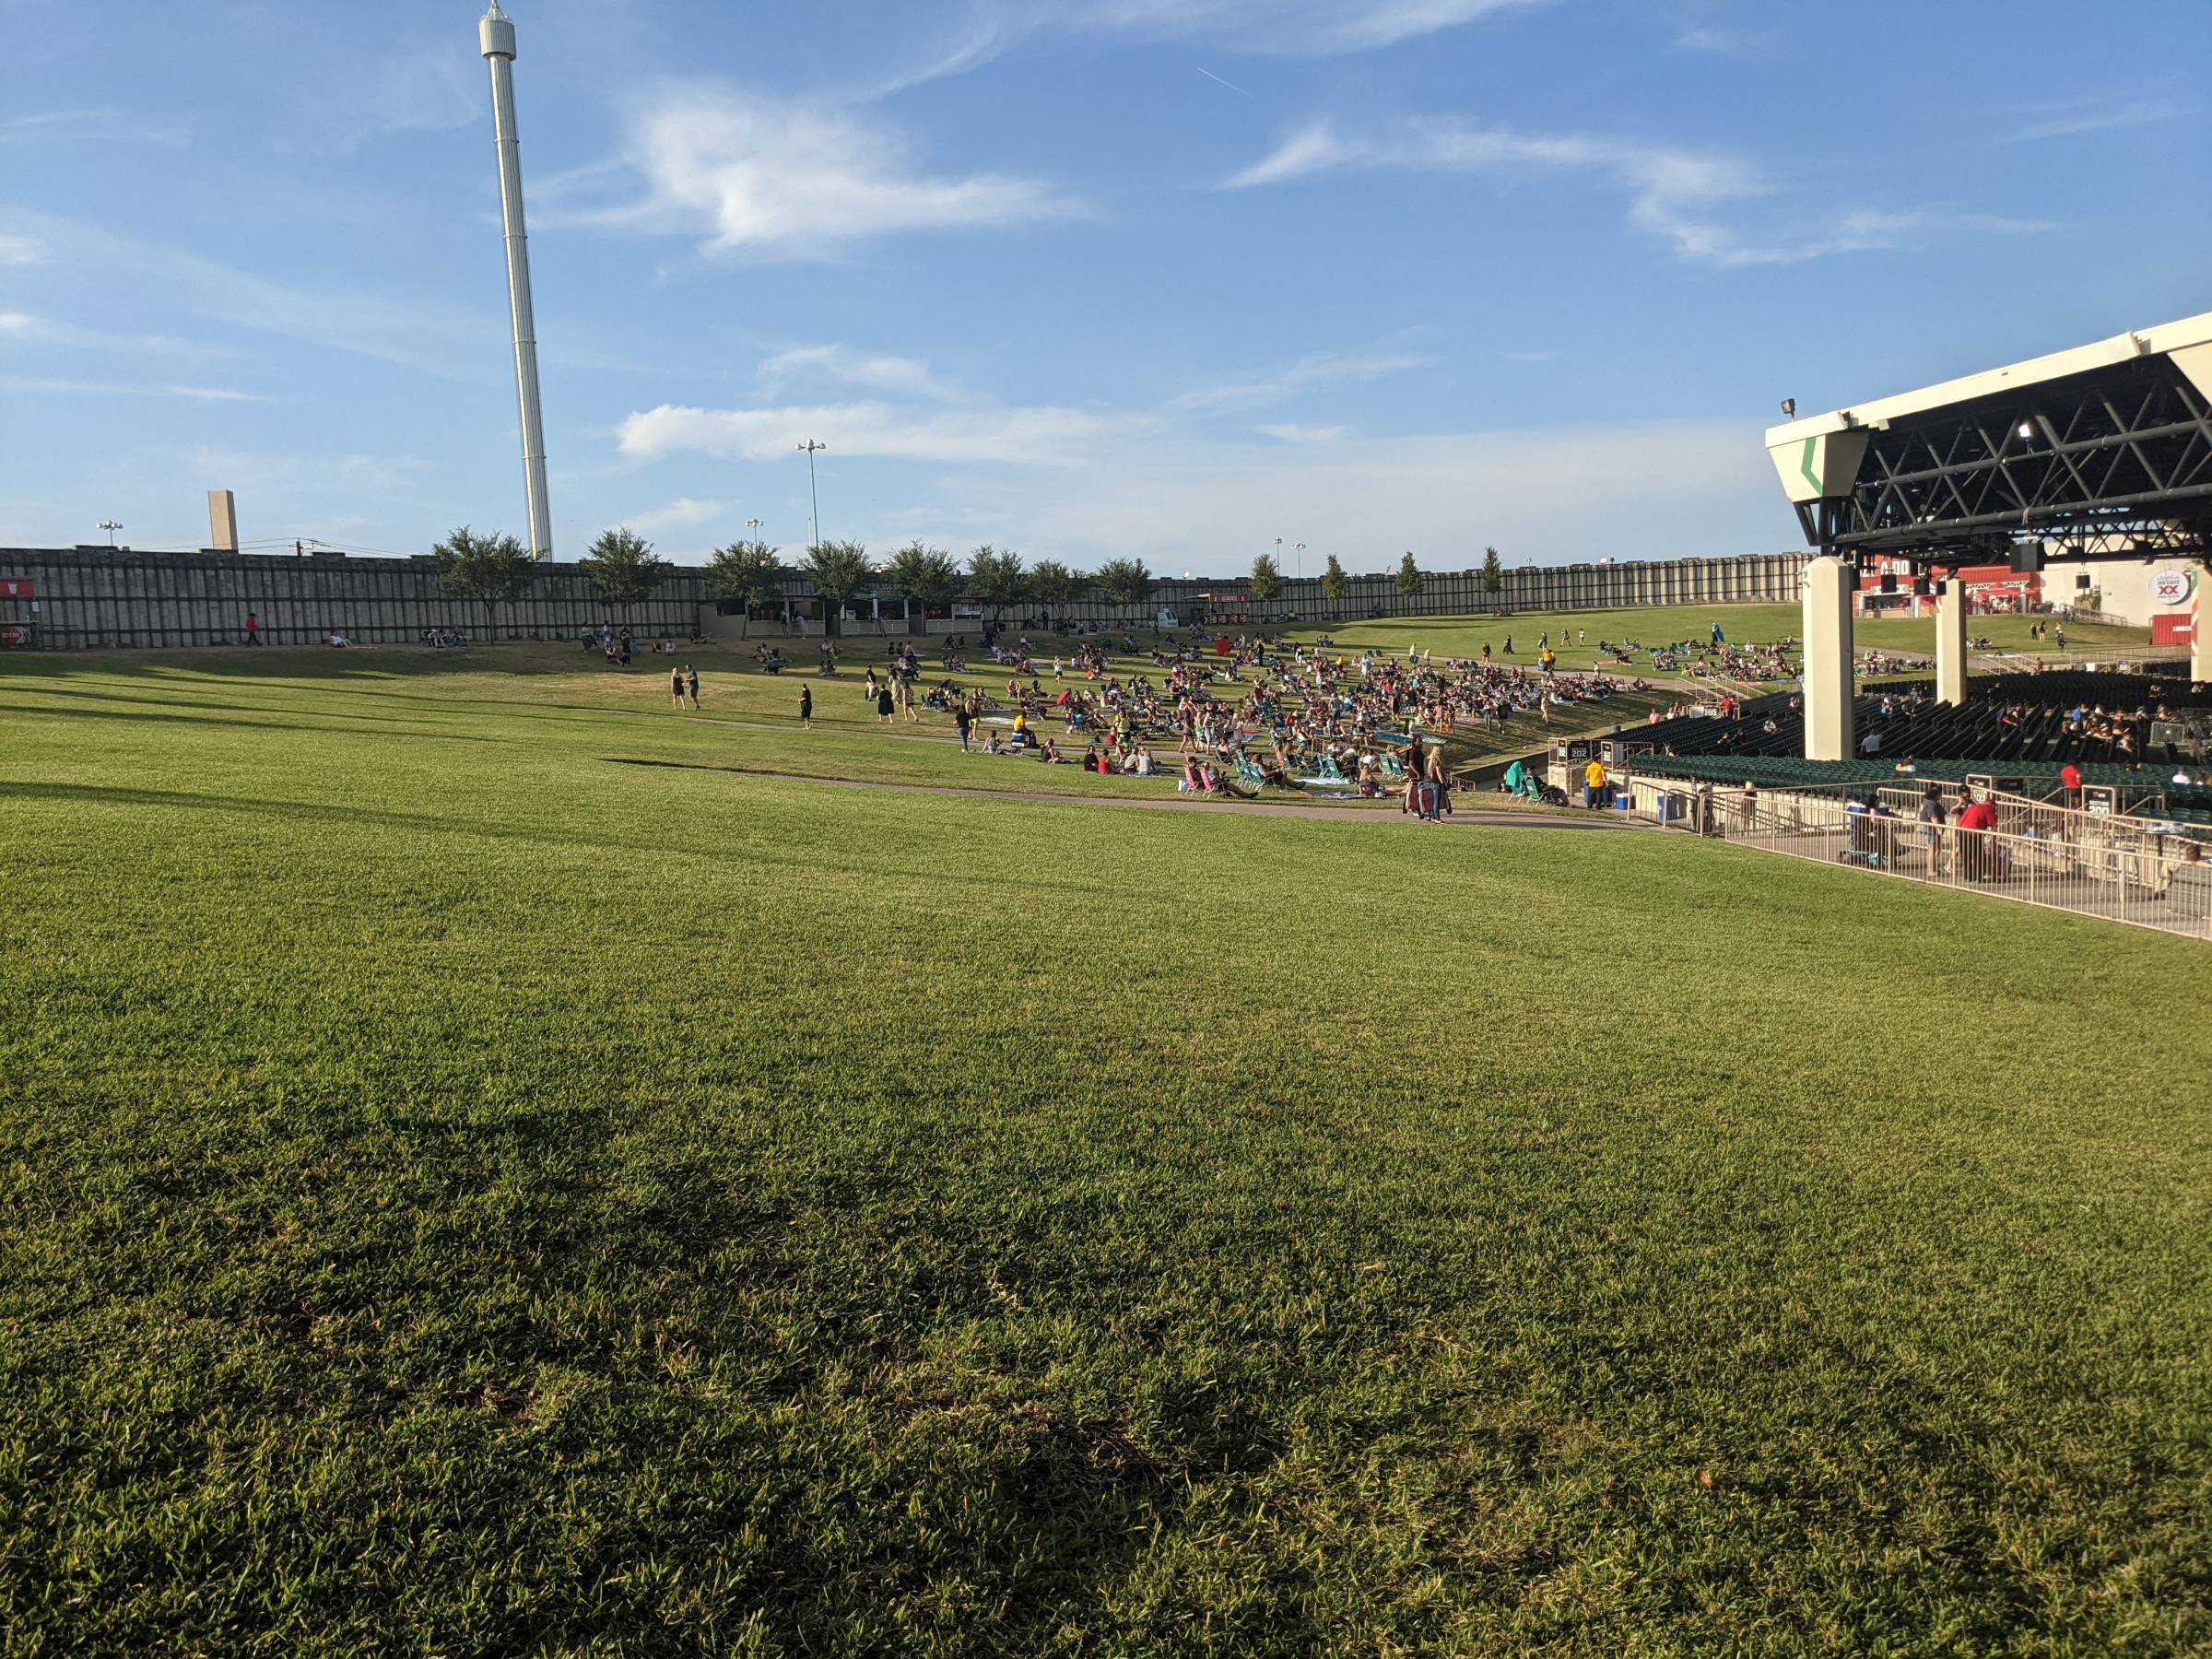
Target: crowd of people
1229,715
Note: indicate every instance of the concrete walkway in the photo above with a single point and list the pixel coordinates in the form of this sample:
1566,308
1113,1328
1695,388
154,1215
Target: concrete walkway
1463,819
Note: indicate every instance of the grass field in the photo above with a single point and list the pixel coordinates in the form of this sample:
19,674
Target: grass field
1744,624
467,1195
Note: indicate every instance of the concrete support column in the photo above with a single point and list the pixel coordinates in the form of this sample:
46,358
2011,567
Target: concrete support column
1950,644
2200,648
1827,598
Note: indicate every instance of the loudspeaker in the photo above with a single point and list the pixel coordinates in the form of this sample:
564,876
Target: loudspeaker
1889,581
2027,556
2081,582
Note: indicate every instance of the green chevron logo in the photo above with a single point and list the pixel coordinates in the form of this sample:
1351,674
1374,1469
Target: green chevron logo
1805,465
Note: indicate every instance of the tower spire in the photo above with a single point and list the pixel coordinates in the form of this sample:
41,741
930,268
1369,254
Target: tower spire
495,37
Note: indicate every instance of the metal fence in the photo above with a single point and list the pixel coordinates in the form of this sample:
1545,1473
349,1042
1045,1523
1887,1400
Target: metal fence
2114,869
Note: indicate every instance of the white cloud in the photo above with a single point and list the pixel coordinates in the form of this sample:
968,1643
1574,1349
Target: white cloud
1678,195
765,182
210,394
1033,437
683,513
881,370
22,251
1290,432
2137,113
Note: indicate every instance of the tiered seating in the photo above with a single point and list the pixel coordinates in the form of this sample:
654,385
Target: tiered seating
1995,729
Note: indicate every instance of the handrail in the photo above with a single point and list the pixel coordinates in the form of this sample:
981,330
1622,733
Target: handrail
2114,869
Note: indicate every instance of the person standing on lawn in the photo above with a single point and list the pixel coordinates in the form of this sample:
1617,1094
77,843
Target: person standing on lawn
963,721
692,684
806,707
676,687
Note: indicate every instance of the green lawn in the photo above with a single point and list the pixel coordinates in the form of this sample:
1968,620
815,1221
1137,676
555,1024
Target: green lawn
1744,624
464,1195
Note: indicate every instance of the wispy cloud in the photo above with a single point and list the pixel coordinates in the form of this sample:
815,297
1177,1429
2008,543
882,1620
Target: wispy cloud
683,513
1032,437
418,333
22,251
2133,113
1723,42
209,395
1290,432
87,125
1318,369
1682,196
22,328
839,362
1219,81
767,181
1311,29
1197,503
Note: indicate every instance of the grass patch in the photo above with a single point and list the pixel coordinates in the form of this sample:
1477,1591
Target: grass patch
458,1195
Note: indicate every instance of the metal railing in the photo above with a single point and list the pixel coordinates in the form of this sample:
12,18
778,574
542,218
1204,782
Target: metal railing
2114,869
2024,815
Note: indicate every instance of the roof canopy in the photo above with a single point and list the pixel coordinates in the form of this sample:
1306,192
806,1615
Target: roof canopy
2106,448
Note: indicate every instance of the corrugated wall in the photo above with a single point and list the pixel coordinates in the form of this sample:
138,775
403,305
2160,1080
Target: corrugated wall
96,599
100,600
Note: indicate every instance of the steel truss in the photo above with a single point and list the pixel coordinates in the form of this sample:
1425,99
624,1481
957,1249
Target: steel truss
2116,463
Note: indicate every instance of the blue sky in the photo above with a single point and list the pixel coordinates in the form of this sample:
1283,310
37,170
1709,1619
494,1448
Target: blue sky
1169,277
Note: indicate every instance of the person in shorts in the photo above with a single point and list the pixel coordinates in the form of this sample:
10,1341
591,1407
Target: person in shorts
692,684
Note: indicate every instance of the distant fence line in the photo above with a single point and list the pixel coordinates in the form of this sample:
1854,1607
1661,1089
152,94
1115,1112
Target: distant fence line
109,599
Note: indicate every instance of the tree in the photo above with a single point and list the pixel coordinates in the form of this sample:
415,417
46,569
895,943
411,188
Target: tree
1493,572
1335,584
491,570
1125,581
621,568
996,579
838,571
746,572
1055,586
1266,580
930,577
1410,581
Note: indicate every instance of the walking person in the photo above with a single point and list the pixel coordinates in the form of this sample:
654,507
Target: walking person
691,686
252,628
963,719
883,702
806,707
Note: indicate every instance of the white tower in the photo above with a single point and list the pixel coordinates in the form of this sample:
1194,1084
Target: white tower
495,35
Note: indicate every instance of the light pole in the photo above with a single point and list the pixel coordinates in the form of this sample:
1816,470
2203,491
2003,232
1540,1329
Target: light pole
111,526
1300,549
812,449
754,525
